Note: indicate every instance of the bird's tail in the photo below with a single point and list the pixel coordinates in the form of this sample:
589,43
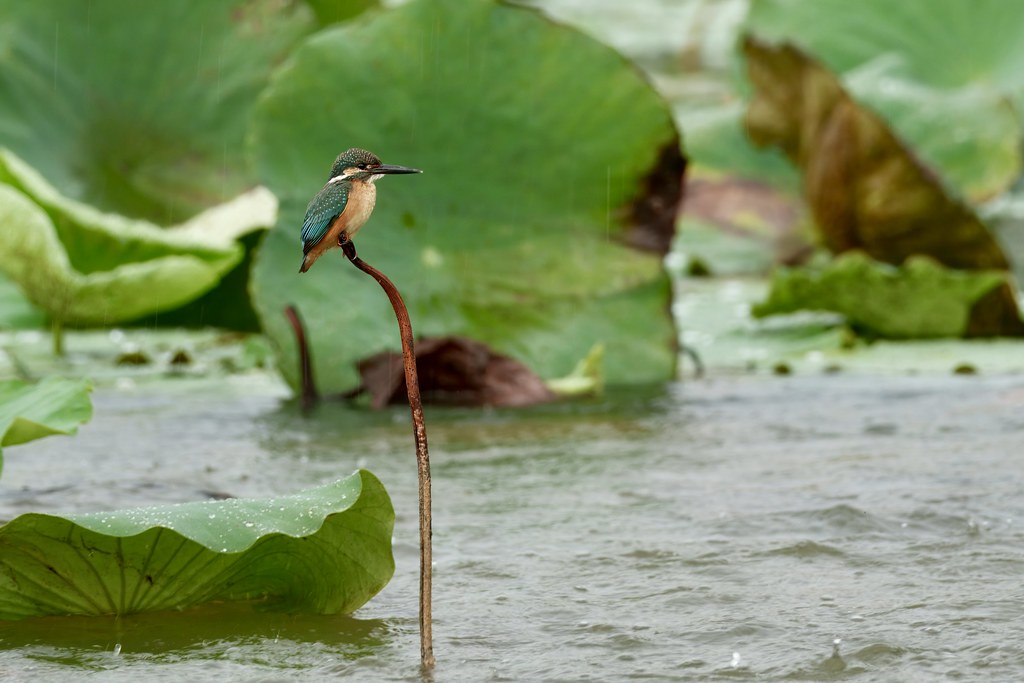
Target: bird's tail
309,257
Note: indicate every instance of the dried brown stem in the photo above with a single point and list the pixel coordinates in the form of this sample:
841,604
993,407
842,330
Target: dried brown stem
309,393
422,456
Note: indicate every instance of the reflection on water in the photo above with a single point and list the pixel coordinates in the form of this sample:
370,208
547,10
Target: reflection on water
232,641
159,634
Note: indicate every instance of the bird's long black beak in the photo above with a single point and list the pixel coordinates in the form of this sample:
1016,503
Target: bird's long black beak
389,169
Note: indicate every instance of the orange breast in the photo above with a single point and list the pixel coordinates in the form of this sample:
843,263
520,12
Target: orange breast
361,200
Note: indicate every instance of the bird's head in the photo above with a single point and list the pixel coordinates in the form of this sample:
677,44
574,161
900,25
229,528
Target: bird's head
358,164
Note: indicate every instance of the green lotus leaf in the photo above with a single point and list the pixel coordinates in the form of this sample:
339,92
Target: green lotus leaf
718,146
943,43
32,411
919,299
85,267
942,73
865,188
336,11
15,311
325,550
140,108
545,155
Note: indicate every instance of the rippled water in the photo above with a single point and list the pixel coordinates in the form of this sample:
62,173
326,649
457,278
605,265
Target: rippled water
800,528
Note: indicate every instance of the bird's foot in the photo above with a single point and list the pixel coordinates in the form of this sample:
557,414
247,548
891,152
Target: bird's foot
347,246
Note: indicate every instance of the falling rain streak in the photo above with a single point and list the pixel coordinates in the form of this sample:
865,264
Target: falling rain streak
56,45
608,203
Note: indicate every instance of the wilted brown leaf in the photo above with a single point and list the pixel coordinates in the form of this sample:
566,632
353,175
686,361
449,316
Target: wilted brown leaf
652,215
865,188
454,371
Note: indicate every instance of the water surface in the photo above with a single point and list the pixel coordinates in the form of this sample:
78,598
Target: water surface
736,527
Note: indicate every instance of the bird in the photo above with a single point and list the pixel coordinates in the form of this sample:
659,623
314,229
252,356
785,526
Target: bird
345,202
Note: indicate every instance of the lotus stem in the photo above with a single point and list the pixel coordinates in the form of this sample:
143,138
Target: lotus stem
57,329
309,392
412,387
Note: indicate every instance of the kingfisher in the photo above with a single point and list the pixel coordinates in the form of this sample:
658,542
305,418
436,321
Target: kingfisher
342,206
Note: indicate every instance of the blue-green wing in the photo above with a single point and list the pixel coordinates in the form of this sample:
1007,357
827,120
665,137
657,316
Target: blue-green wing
323,209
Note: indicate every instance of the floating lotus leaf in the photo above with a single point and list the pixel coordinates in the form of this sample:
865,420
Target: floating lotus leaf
919,299
32,411
325,550
545,156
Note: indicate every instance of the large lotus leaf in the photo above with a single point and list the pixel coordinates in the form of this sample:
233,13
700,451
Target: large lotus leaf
32,411
140,107
325,550
85,267
539,148
335,11
15,310
919,299
940,72
943,43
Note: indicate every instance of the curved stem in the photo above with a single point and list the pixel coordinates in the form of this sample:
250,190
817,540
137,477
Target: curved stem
412,387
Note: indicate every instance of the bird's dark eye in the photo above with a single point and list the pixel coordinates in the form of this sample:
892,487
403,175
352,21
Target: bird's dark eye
362,167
